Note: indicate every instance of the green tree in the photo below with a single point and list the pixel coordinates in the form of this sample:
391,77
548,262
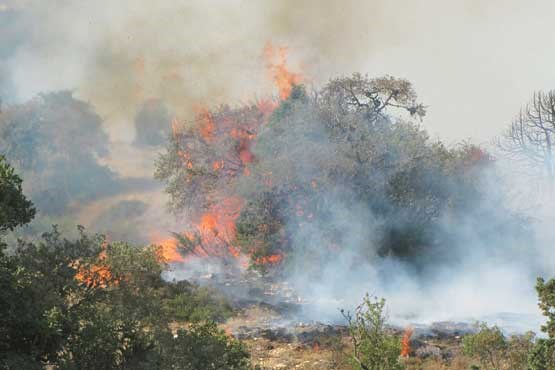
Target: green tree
488,345
542,356
203,347
15,208
495,351
55,141
88,304
374,348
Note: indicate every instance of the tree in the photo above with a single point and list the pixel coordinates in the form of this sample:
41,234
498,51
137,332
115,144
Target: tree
542,356
373,347
495,351
529,138
55,142
488,345
88,304
343,150
15,208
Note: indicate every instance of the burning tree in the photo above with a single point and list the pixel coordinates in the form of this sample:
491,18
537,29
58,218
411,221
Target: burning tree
265,178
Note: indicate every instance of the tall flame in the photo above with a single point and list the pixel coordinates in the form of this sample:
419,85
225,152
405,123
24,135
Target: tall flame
405,342
213,232
276,59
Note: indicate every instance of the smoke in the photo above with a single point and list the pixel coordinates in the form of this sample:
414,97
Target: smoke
473,69
118,54
477,258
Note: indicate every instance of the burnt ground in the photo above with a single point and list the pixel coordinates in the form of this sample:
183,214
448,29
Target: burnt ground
268,322
278,343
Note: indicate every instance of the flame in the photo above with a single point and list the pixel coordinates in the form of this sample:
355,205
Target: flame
284,79
207,127
212,232
405,342
316,346
269,260
96,275
168,251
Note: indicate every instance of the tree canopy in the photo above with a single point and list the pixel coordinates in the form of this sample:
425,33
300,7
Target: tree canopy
321,161
15,208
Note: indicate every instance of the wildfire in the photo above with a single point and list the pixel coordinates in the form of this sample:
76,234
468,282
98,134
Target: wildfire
207,126
269,260
405,342
284,79
95,275
212,232
168,250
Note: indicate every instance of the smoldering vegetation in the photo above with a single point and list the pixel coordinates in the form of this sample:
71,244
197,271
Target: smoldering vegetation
345,193
343,200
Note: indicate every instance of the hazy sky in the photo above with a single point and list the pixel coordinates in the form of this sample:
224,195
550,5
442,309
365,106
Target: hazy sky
473,62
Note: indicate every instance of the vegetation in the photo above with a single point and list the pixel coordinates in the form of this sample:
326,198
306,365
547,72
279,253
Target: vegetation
352,145
15,208
373,347
55,141
89,304
529,138
542,356
495,351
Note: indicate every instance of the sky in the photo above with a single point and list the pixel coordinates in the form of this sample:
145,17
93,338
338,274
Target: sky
473,63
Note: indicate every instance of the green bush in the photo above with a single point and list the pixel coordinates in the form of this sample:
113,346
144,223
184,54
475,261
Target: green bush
374,348
542,355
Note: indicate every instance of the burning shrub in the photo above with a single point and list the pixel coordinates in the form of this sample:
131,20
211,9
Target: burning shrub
89,304
340,172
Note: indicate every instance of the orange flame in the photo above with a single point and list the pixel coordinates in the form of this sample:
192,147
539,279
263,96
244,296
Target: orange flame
269,260
207,127
284,79
405,342
213,231
95,275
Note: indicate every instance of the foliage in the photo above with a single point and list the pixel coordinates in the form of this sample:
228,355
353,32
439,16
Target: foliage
542,356
55,141
203,346
488,345
152,124
191,303
330,151
373,347
201,160
350,146
15,208
494,351
89,304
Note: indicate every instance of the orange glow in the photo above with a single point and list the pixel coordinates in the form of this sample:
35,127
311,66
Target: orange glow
405,342
95,275
168,249
269,260
230,135
284,79
207,125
